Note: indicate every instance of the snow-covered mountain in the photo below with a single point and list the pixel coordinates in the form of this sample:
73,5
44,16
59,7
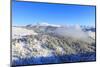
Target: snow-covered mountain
48,40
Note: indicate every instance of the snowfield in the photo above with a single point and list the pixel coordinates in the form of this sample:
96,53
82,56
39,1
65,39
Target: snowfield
18,32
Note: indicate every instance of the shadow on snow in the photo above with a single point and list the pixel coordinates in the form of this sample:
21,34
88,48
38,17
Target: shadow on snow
82,57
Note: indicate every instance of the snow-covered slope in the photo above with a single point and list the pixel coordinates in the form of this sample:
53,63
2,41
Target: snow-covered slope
47,40
46,24
18,32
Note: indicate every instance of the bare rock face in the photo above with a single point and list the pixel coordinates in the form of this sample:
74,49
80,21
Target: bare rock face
43,41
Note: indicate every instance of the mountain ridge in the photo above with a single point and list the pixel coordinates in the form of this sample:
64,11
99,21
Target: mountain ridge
50,40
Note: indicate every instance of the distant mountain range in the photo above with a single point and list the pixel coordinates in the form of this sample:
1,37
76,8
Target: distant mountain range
44,40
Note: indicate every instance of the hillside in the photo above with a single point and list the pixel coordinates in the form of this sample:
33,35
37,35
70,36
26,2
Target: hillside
50,40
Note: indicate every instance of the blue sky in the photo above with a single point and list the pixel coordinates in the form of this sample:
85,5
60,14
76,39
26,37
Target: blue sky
24,13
